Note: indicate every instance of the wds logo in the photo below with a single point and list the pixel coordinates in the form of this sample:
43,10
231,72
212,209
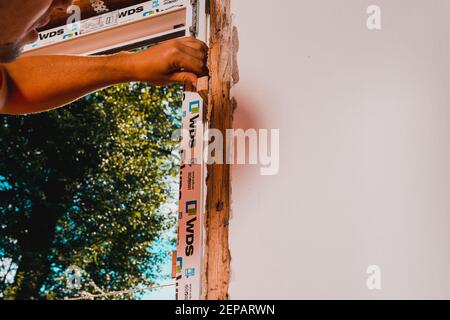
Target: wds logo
190,237
179,264
130,12
191,207
51,34
194,106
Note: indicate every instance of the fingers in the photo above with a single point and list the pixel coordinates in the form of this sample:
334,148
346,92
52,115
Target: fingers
202,58
185,77
190,42
199,54
186,62
195,48
195,44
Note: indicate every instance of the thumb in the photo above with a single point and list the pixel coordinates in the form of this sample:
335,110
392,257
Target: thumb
185,77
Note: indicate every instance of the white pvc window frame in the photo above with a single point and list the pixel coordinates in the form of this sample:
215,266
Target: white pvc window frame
173,23
170,24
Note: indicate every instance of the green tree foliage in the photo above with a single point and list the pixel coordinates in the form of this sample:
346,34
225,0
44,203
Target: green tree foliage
84,185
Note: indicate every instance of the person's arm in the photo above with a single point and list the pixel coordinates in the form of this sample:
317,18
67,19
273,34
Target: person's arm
41,83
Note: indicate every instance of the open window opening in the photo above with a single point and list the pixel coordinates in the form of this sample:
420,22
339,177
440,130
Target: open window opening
96,197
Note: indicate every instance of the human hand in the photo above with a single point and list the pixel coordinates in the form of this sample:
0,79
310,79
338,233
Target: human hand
181,60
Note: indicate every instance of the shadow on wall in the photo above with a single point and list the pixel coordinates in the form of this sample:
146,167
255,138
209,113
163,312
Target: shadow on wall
245,117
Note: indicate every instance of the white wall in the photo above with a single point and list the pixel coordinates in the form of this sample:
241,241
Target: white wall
365,150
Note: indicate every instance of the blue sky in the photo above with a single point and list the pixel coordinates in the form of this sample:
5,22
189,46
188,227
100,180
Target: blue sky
167,293
163,247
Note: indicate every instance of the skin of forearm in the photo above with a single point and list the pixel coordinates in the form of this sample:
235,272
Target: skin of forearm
42,83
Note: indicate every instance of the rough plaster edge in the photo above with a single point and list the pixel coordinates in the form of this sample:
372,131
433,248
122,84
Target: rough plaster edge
226,73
